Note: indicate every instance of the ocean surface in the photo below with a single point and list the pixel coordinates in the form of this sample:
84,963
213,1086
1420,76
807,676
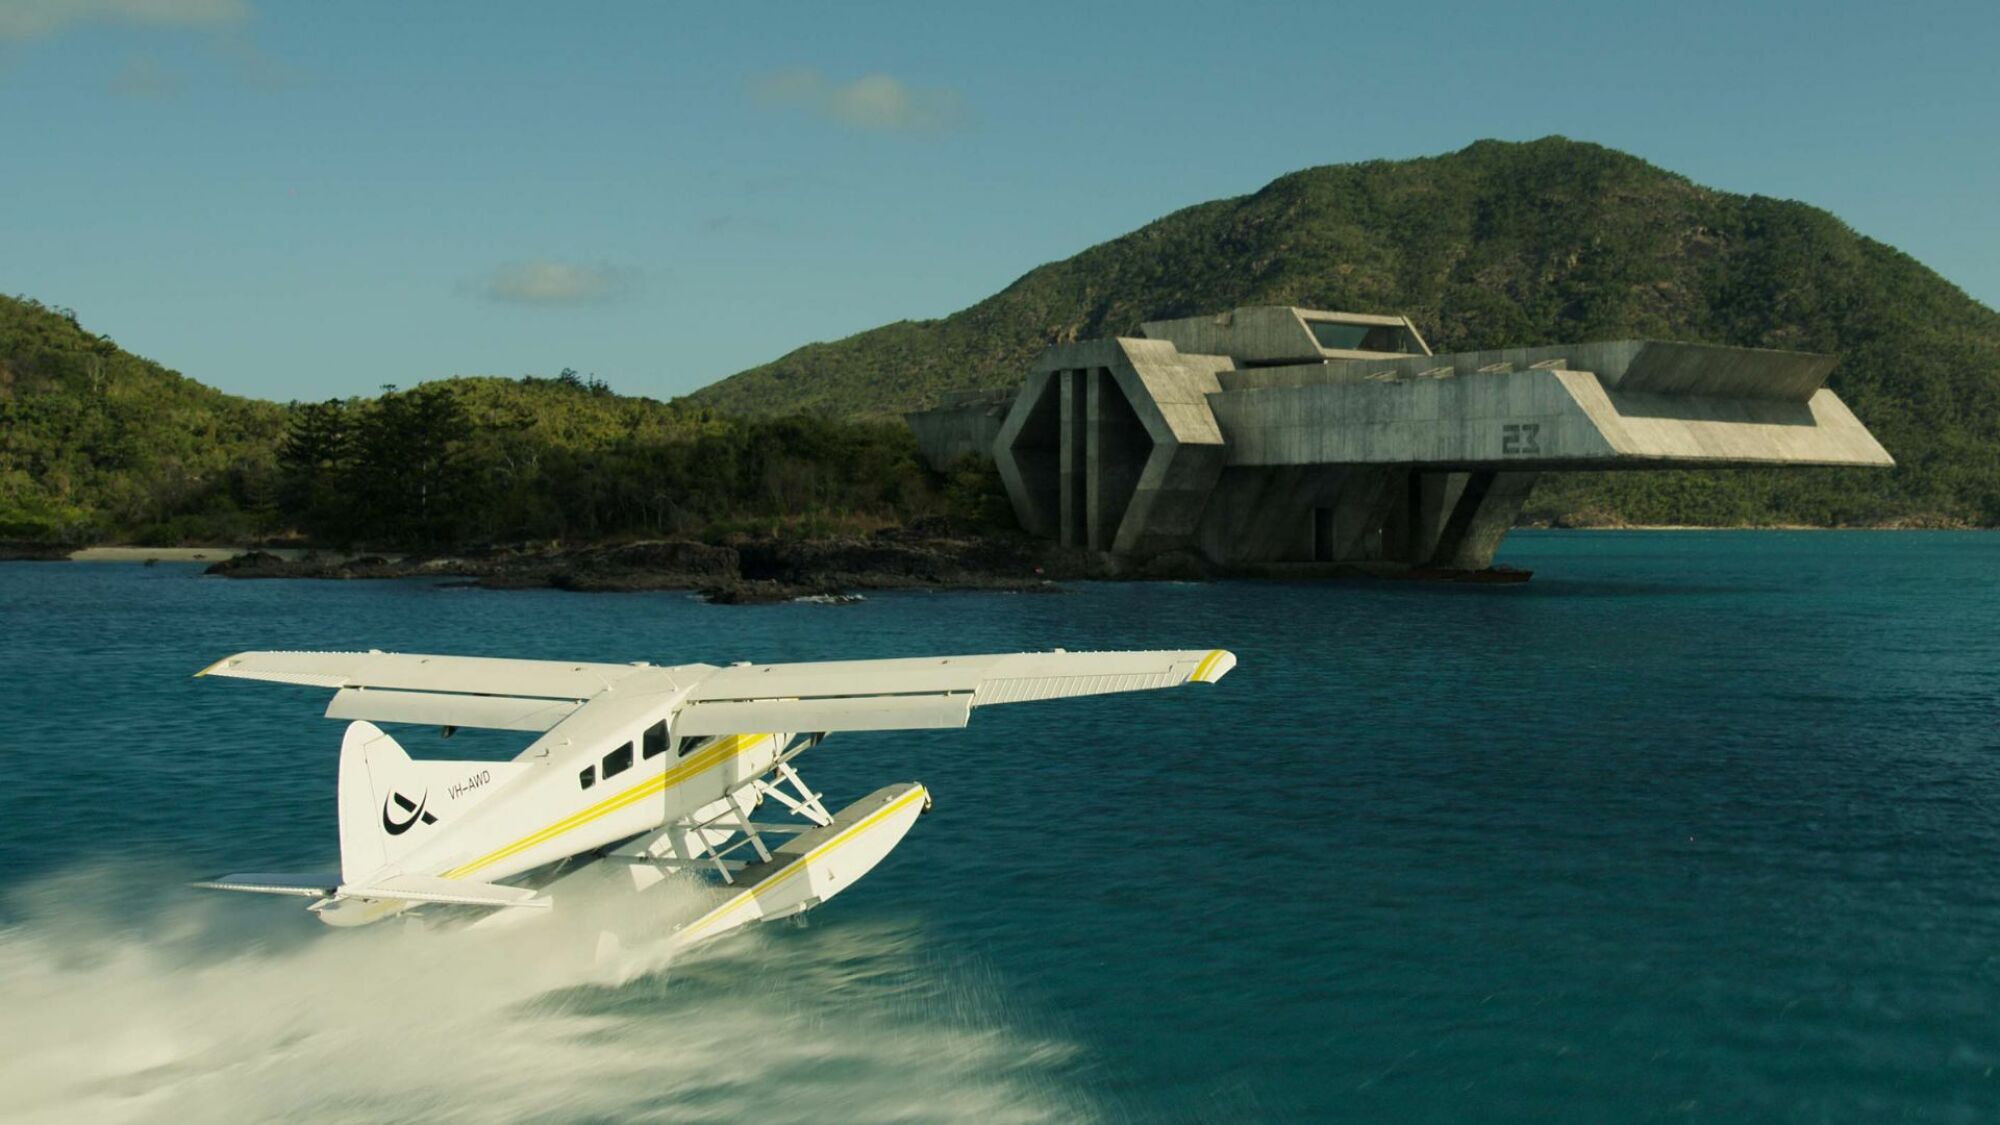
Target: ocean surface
1693,827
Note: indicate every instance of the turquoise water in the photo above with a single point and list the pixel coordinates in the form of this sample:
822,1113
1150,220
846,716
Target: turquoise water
1693,827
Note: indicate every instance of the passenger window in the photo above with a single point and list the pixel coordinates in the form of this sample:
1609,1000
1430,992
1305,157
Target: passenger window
656,739
588,777
618,761
689,743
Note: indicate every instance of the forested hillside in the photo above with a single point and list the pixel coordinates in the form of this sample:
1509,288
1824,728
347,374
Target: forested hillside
1503,244
98,445
95,441
480,460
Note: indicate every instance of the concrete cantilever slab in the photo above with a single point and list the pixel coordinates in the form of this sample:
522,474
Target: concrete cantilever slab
1336,437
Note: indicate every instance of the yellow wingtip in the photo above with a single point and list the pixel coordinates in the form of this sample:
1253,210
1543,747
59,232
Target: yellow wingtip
1213,667
210,668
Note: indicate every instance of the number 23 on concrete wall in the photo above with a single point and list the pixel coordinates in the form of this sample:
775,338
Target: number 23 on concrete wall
1518,438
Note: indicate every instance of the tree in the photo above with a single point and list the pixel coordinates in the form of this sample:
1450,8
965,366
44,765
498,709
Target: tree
410,477
313,466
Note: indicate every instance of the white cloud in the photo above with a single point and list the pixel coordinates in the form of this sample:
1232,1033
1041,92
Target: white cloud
224,22
35,19
876,102
543,282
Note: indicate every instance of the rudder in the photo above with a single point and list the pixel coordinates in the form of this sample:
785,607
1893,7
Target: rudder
390,804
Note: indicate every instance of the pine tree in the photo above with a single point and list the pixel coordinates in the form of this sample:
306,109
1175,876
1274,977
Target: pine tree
410,475
313,465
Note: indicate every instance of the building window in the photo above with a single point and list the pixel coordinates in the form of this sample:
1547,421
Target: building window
656,739
588,777
618,761
1335,336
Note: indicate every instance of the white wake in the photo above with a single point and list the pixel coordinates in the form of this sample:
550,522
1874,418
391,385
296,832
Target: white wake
214,1010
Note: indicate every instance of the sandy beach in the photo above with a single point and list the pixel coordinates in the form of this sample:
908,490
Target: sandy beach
196,554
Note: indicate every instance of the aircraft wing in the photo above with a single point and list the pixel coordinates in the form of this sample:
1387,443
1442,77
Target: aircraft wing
936,691
839,695
460,691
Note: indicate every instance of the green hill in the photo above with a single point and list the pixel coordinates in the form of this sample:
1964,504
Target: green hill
95,441
1504,244
506,460
99,445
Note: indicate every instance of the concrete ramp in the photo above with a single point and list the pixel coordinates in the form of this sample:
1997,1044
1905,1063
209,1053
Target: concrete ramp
1711,430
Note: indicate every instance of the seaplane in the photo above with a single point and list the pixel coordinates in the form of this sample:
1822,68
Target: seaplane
655,770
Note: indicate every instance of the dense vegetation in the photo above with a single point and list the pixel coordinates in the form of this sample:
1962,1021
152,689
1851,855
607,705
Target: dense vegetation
97,444
486,460
1503,244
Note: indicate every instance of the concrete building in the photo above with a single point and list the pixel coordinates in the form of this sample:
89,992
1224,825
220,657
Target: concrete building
1279,435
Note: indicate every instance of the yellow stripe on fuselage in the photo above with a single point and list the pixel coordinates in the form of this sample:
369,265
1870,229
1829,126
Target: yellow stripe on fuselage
723,750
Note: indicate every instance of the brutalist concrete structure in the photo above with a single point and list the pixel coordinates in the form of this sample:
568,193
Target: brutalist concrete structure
1270,435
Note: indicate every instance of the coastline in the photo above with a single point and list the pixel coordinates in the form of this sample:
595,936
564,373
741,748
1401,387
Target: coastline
118,553
221,552
1753,527
740,571
744,570
1013,544
123,553
937,553
188,554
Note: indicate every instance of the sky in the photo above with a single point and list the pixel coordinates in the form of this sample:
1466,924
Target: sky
311,200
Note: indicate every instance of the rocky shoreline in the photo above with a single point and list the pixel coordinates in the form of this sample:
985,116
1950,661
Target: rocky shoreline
746,570
739,572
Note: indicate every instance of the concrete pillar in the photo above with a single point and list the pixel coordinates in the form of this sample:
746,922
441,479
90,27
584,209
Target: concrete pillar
1075,464
1417,508
1486,508
1027,453
1117,448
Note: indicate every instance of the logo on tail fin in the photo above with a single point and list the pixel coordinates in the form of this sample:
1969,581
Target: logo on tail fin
415,808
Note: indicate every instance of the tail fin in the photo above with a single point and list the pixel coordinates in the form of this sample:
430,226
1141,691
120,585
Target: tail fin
390,804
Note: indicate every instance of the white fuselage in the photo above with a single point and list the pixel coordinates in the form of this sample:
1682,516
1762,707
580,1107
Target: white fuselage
547,814
543,811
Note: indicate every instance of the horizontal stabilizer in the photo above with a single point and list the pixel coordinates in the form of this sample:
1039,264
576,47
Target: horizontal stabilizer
266,883
454,892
